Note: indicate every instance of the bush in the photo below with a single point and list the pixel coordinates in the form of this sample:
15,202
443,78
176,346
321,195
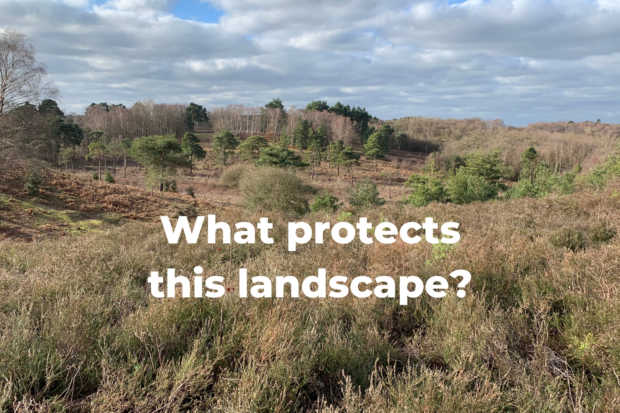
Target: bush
464,188
190,191
366,194
95,176
570,238
109,178
426,189
325,202
32,184
233,175
170,186
273,189
602,233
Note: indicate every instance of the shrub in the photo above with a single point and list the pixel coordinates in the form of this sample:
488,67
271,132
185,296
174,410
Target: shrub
601,233
32,184
570,238
273,189
190,191
325,202
109,178
366,194
280,157
540,183
233,175
170,186
426,189
464,188
95,176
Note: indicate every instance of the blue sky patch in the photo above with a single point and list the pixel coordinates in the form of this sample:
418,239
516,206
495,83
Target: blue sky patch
197,10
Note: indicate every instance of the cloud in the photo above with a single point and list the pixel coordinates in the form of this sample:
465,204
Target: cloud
519,60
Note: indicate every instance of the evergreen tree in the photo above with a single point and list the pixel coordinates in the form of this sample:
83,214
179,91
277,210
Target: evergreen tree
250,148
160,155
375,147
224,143
280,157
301,133
334,149
191,147
348,159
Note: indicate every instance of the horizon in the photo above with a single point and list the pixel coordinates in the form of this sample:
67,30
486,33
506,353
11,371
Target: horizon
522,61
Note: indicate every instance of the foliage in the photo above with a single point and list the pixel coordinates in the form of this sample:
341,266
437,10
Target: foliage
366,195
280,157
464,188
95,176
375,147
250,148
196,114
275,104
223,144
109,178
232,176
426,188
190,191
301,133
274,189
160,155
191,147
32,184
324,201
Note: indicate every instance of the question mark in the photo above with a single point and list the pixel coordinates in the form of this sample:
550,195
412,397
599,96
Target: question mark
466,279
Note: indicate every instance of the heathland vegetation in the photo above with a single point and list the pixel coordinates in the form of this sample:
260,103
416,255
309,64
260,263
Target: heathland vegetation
538,206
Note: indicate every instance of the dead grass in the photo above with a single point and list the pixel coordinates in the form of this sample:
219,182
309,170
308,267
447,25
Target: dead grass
539,329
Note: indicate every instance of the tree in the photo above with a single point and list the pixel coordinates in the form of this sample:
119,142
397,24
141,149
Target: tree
375,147
280,157
333,157
22,78
160,155
348,159
250,148
400,140
314,155
426,189
224,143
318,105
529,160
366,195
97,150
301,133
196,114
275,104
191,147
125,145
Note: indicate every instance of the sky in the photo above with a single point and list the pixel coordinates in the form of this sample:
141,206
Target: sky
521,61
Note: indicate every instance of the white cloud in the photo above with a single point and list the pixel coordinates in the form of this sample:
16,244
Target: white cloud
521,60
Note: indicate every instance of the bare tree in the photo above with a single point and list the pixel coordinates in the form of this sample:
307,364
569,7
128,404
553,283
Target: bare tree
22,78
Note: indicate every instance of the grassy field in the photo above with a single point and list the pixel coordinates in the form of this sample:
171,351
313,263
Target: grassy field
539,329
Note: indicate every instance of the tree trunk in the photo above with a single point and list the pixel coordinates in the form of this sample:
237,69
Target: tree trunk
351,172
338,173
100,169
125,167
389,186
375,164
114,165
191,163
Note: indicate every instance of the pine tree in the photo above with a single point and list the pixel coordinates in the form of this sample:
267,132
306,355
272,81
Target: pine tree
224,143
300,133
375,147
191,147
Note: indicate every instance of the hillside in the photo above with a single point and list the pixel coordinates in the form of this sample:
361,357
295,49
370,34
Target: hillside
538,330
71,205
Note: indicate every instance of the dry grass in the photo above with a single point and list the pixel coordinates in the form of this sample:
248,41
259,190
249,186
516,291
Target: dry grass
538,331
